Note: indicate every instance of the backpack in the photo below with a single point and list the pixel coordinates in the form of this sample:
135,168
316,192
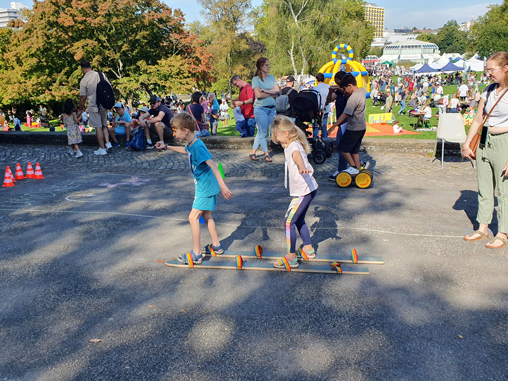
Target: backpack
138,142
282,102
105,94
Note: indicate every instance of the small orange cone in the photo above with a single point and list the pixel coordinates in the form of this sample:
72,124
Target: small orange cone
19,173
38,172
29,171
8,179
10,173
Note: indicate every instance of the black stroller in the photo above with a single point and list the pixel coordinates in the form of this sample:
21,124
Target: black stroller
308,110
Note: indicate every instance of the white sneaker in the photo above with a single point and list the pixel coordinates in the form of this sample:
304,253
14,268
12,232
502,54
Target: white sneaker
108,146
72,152
79,154
352,171
101,151
366,165
333,176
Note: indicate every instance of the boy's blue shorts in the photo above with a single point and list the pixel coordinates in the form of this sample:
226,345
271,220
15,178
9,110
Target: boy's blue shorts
205,203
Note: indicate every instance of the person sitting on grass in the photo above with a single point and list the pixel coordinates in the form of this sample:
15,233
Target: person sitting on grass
208,180
240,119
122,125
355,112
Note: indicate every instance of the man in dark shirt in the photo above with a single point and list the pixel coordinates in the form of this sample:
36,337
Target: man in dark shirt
159,122
292,94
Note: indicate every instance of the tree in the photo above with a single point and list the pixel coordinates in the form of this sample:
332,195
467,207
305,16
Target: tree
427,37
376,51
301,34
450,39
490,34
223,33
127,39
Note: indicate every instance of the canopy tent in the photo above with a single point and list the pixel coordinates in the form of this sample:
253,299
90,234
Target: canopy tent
440,62
450,68
426,69
387,63
474,64
416,67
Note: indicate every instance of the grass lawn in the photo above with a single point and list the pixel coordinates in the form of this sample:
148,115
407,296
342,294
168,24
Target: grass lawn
404,121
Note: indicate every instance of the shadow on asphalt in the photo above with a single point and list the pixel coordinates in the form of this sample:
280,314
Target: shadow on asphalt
72,271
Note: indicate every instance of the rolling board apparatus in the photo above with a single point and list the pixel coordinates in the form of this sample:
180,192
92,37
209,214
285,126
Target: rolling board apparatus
264,265
259,253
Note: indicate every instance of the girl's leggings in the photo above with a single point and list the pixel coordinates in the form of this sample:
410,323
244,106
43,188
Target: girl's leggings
295,217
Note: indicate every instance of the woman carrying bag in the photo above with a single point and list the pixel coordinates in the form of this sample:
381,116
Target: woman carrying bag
492,153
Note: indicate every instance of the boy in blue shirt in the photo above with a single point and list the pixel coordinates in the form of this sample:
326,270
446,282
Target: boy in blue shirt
207,180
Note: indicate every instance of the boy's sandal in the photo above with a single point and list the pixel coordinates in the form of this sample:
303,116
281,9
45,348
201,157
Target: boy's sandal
196,259
253,157
268,158
306,255
477,232
503,241
280,264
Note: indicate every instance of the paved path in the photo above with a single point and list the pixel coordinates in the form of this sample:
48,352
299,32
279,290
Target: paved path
78,261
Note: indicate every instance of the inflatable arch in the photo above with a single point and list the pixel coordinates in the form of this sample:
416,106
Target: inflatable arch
353,67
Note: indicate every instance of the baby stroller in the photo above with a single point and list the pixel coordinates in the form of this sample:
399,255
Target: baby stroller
307,107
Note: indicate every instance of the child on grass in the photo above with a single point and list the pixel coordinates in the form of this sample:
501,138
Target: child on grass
240,119
71,123
302,186
208,183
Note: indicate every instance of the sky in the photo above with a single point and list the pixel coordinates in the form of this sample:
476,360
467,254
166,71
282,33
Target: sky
398,13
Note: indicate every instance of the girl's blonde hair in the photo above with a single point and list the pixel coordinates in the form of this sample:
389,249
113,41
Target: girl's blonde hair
281,124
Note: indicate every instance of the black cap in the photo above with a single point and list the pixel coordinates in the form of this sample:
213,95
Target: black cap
154,98
290,78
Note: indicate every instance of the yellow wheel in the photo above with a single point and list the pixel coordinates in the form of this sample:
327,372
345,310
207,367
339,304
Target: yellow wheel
363,179
343,179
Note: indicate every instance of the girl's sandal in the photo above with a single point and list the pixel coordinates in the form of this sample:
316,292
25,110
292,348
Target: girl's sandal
306,255
253,157
280,264
268,158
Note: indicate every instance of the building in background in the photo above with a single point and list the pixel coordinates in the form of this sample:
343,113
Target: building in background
376,16
12,13
410,50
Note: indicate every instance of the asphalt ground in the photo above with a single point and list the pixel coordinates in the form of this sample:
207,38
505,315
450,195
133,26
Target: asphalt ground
79,259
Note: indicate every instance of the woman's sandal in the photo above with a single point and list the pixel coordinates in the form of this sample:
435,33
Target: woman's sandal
280,264
482,236
268,158
503,241
304,254
253,157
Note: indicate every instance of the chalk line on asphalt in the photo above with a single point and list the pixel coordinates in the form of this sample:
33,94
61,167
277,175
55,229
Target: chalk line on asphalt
238,225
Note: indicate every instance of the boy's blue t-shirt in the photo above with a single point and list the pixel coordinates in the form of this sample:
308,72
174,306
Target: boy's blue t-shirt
120,129
205,181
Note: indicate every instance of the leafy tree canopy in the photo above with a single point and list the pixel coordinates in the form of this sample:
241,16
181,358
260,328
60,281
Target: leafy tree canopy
130,40
490,34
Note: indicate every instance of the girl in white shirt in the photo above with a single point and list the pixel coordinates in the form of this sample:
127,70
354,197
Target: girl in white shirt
302,186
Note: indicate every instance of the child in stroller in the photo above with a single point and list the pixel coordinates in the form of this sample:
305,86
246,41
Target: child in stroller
308,110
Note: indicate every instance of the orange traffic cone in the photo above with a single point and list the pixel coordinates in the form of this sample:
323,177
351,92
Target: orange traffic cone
38,172
8,179
19,173
10,173
29,171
